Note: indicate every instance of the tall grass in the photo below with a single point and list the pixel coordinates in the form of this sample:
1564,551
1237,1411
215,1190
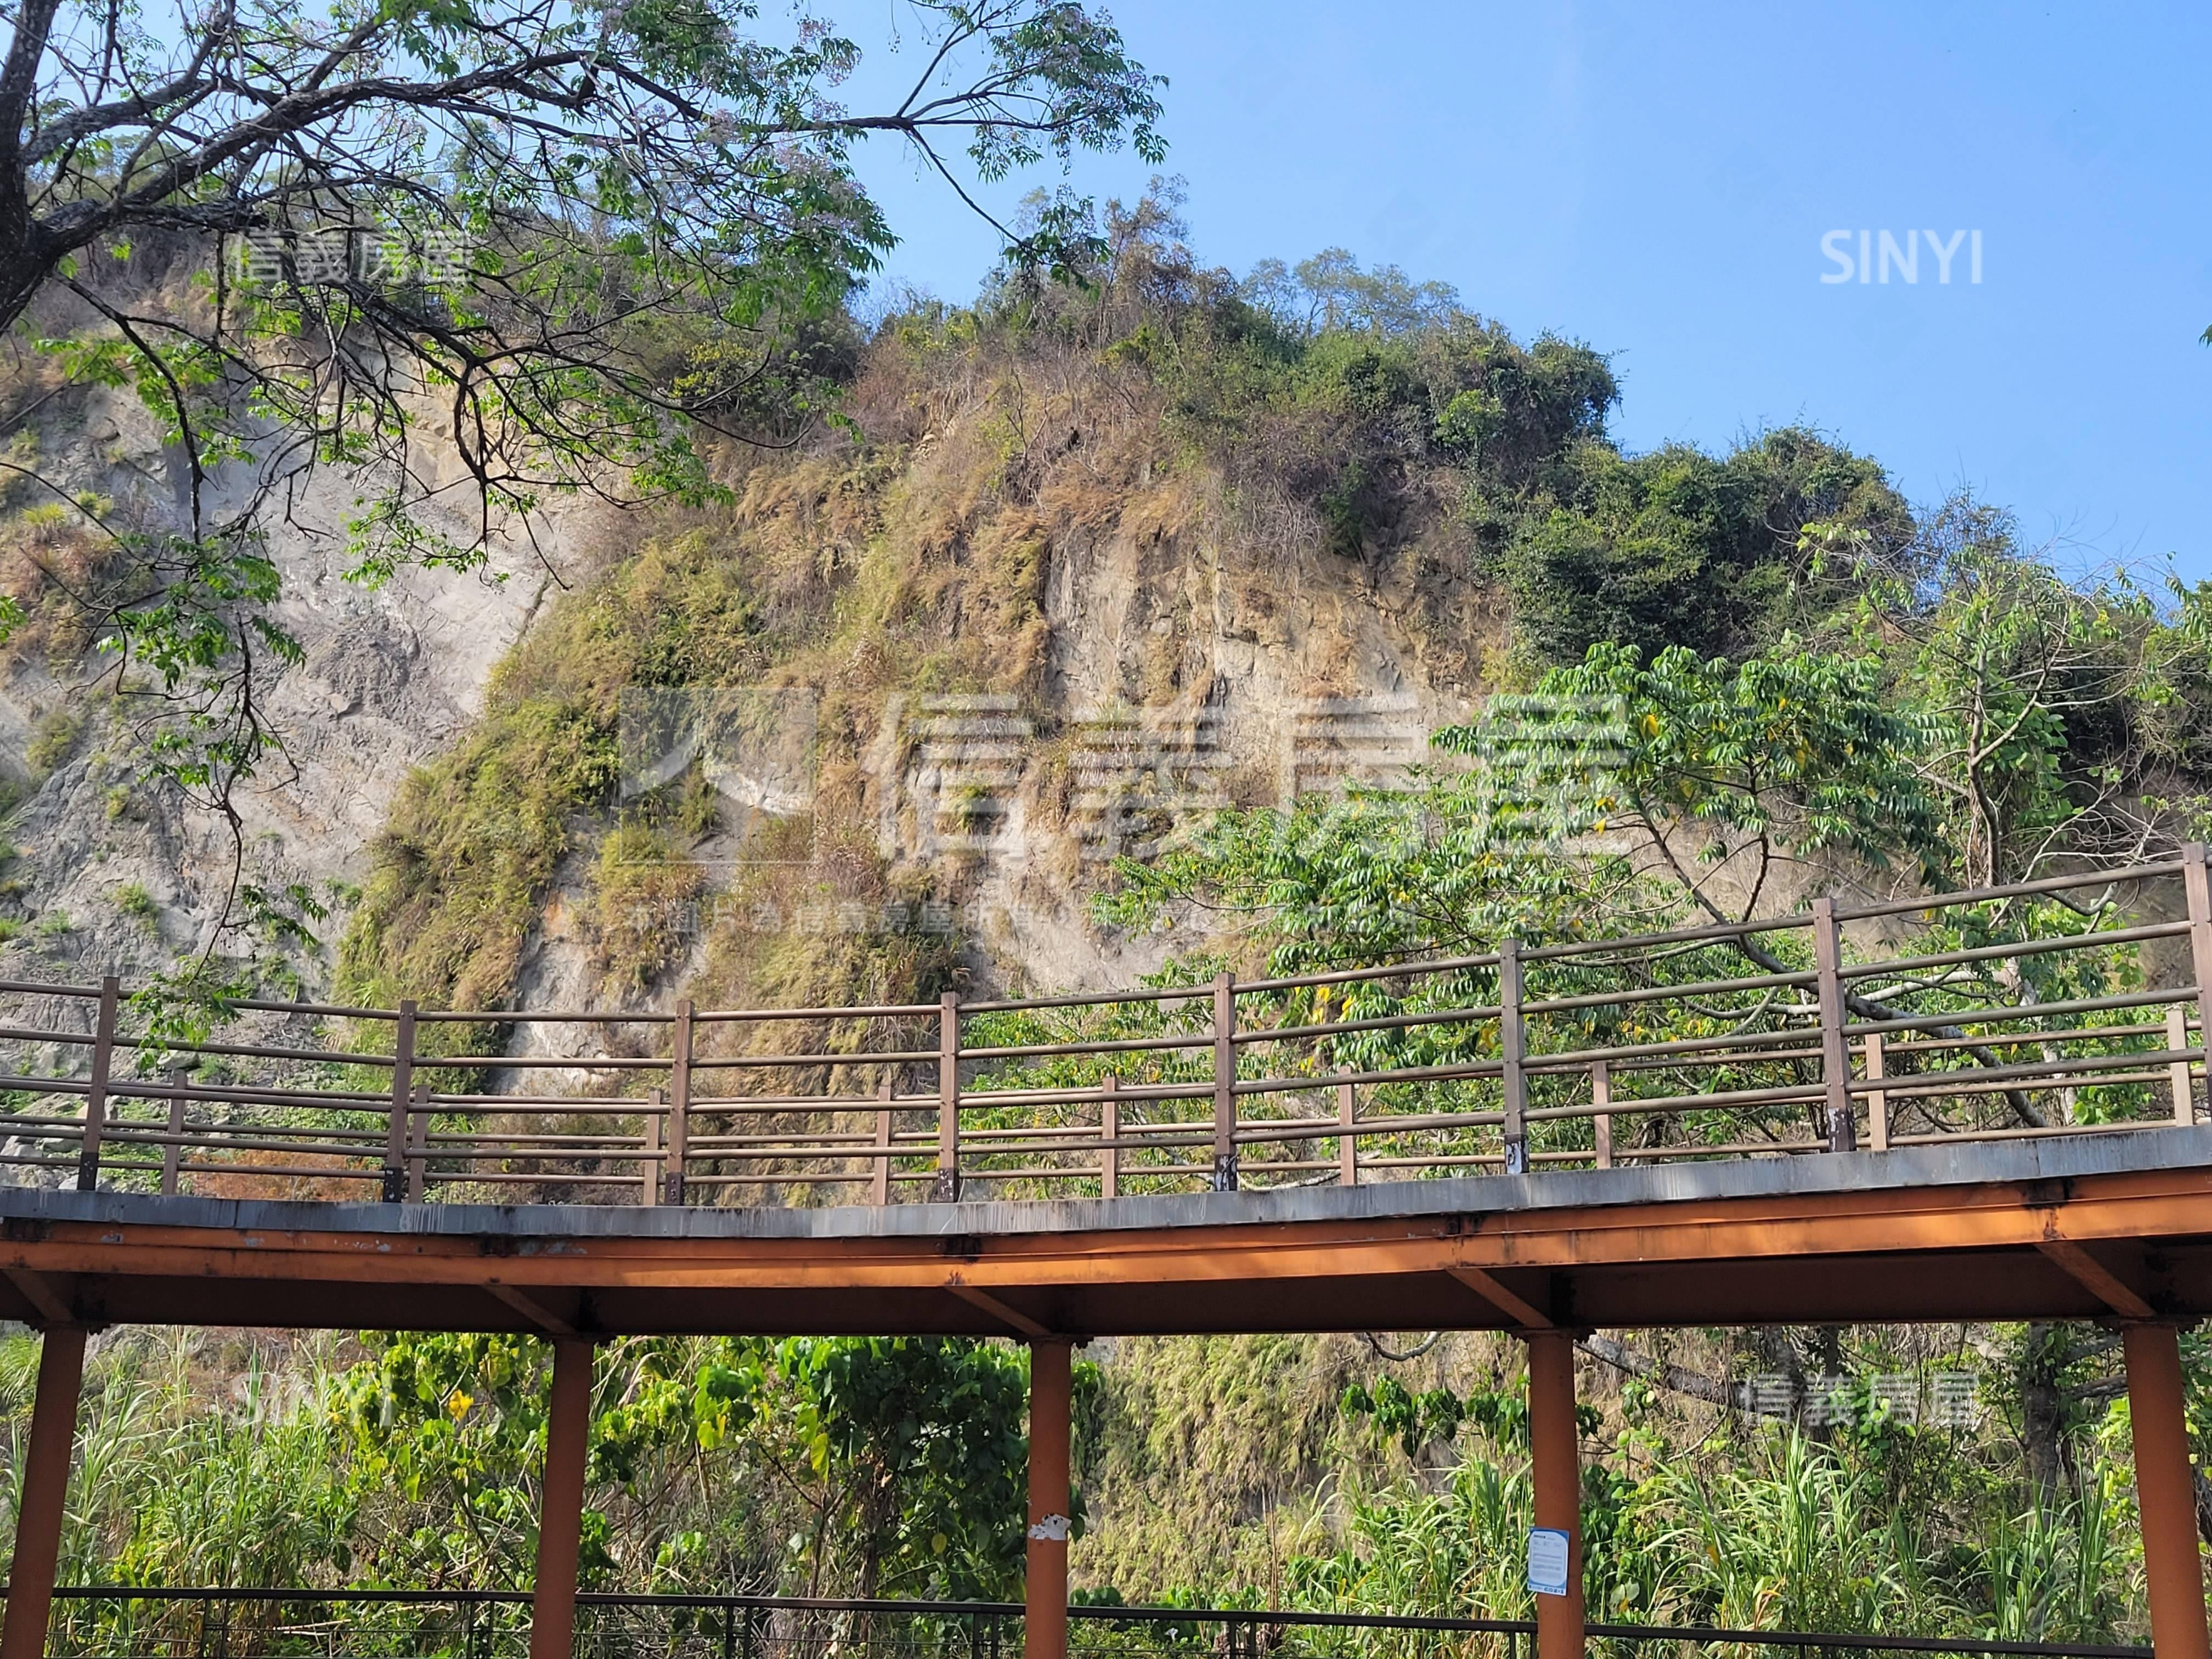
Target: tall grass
1790,1535
231,1464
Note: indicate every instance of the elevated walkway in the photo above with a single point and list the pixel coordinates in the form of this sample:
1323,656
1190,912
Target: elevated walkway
1647,1136
2064,1226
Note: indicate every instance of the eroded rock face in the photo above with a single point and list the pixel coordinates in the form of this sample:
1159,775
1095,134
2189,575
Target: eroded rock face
1144,595
113,874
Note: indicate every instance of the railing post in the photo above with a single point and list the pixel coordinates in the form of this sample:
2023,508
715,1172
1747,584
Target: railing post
680,1107
173,1154
418,1143
95,1094
1877,1068
946,1187
1835,1049
2177,1070
1601,1124
1110,1134
656,1108
403,1092
879,1175
1512,1044
1224,1083
1347,1135
2196,880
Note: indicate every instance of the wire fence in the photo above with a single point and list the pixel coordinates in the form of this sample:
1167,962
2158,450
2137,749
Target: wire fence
2038,1009
116,1622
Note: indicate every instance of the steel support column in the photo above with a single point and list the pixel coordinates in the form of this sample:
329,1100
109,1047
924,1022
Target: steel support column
45,1485
1554,1442
1044,1582
2165,1494
560,1517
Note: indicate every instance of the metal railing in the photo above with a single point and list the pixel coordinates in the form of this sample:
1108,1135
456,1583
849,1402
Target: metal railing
123,1622
1831,1031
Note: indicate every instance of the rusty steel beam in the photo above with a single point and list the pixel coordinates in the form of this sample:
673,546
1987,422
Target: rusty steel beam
1016,1320
1844,1289
2095,1277
52,1307
540,1316
1486,1285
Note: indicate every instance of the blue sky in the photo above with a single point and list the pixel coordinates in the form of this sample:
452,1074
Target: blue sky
1656,181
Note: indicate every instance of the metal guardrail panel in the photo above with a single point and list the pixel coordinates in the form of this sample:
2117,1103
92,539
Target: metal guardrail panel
1598,1053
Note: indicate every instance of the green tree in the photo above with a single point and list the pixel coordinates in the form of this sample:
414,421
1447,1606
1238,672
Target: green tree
847,1465
1622,794
1680,548
2067,717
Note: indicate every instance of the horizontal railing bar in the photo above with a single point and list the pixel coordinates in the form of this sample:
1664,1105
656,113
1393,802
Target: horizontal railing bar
619,1105
2029,1131
2060,1072
320,1009
300,1171
242,1094
1353,975
880,1010
1105,1046
582,1142
1075,1094
1579,1060
734,1062
1779,1095
1470,1069
533,1017
133,1135
1379,1022
2012,889
1091,999
147,1132
39,1034
1684,1063
1966,1084
1414,1121
1714,932
523,1177
539,1063
256,1051
2006,1013
2033,947
1662,993
1722,1149
771,1105
2034,1040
